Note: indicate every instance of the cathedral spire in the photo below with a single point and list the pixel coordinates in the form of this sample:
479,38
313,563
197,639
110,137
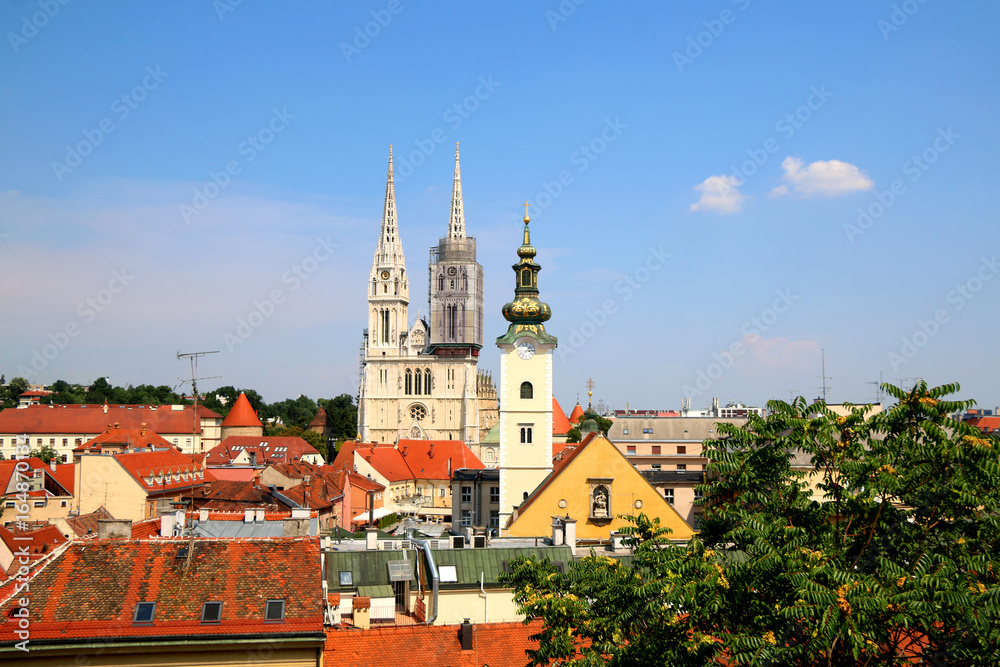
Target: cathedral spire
456,223
389,250
526,313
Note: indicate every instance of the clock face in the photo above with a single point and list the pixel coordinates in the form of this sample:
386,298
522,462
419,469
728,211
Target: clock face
452,270
385,275
525,350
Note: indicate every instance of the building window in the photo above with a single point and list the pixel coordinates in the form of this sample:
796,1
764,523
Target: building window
526,390
494,494
418,379
630,449
525,433
38,441
656,450
466,518
65,458
698,494
441,495
211,612
682,449
39,503
274,611
625,431
408,390
466,494
65,441
427,381
385,326
647,430
346,578
656,466
144,612
668,495
494,518
52,441
681,467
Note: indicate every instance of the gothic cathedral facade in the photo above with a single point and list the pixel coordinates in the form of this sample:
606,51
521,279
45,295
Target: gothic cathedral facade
421,381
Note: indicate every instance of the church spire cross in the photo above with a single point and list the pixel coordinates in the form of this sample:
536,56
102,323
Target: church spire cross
456,223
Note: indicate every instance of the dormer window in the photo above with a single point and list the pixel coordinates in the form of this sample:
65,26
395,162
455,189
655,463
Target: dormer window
211,612
274,611
144,613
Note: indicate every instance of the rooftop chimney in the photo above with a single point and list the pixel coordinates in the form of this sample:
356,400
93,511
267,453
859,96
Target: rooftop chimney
142,431
116,424
431,453
52,464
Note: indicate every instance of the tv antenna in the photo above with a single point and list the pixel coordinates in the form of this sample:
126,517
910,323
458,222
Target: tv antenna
824,376
194,356
878,388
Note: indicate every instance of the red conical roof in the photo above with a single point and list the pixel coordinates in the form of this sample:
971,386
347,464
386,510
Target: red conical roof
575,416
560,425
242,414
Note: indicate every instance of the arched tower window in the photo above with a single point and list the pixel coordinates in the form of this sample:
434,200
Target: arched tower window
427,381
441,282
525,435
409,382
527,391
526,278
417,386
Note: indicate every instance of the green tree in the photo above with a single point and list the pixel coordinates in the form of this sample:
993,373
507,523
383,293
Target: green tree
45,453
884,547
342,416
16,387
312,437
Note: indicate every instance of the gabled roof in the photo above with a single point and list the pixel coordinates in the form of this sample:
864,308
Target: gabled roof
266,450
437,459
242,414
388,461
243,494
560,424
58,482
127,438
321,492
86,419
91,589
40,540
86,524
363,483
162,470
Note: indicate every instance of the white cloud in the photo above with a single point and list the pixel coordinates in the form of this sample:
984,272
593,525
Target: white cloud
823,178
720,194
769,355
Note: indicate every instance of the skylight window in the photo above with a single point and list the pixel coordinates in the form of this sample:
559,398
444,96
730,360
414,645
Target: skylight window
144,612
346,578
274,611
211,612
448,574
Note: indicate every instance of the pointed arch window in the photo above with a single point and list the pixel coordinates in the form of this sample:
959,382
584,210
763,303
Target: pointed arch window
527,391
417,386
385,325
427,381
409,382
526,278
441,282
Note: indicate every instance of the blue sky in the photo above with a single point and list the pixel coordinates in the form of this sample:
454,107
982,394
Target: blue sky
720,190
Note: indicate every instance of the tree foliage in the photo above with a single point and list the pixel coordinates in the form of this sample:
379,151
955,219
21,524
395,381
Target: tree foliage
879,546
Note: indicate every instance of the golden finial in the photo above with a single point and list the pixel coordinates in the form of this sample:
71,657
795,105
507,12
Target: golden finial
526,205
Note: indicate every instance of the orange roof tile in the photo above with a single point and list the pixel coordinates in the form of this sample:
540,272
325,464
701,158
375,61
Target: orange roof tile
494,644
437,459
388,461
128,438
575,416
91,589
86,524
242,414
37,540
159,471
265,450
87,419
560,424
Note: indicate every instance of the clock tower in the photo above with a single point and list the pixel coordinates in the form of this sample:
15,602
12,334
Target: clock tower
525,394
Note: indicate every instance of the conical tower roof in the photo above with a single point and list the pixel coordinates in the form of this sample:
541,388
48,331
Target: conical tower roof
560,425
574,417
242,414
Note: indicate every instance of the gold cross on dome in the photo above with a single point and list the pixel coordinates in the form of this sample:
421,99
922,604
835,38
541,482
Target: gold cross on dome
526,205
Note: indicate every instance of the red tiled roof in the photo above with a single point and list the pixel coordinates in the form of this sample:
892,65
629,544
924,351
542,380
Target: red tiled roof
321,492
86,524
297,469
986,423
267,450
161,471
560,424
232,474
436,459
41,540
388,461
59,481
243,493
128,438
242,414
90,590
574,417
363,483
319,421
85,419
494,644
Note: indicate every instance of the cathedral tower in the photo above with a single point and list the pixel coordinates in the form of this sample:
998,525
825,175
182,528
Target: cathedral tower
388,286
525,386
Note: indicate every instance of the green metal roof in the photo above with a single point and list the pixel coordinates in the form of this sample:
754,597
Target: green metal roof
469,563
368,568
384,591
